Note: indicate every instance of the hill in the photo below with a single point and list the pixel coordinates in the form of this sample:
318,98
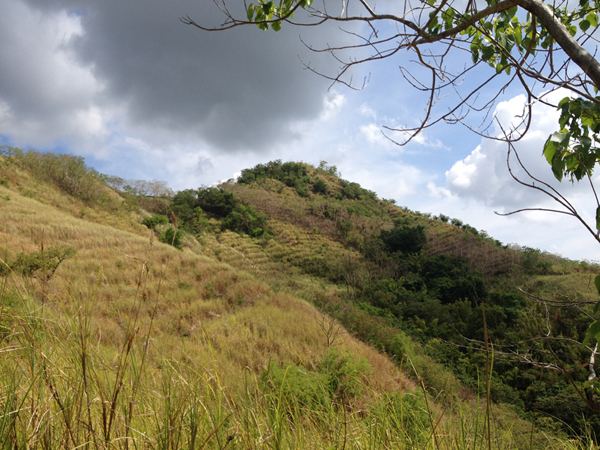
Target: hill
281,322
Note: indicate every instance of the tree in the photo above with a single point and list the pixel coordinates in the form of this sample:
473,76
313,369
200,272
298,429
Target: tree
529,42
465,56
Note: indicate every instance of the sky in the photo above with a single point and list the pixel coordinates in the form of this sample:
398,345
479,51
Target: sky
140,95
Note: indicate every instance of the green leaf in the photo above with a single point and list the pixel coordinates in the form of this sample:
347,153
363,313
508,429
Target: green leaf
518,36
597,228
563,101
267,8
549,150
487,53
433,23
594,329
584,25
597,283
276,26
475,52
250,11
592,18
561,137
575,108
586,142
558,166
502,39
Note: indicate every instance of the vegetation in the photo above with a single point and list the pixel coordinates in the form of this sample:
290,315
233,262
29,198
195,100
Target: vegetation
519,43
436,282
193,209
355,323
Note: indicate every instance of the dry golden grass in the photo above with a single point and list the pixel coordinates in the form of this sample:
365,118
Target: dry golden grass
216,313
204,322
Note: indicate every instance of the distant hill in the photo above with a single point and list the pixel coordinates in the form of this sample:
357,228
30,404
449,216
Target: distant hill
273,311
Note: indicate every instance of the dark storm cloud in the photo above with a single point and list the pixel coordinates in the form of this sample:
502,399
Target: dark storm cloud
242,88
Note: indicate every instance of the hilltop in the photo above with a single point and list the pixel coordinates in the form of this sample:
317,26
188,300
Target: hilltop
289,308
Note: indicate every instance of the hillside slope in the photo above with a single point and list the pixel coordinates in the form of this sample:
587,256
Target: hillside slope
113,338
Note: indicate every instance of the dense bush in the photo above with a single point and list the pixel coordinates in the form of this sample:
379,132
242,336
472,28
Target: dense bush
344,373
172,237
404,239
245,219
293,174
193,208
320,187
351,191
451,278
156,219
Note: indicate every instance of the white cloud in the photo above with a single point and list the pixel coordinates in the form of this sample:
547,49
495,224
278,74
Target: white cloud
481,183
367,111
426,141
438,192
332,104
483,175
373,135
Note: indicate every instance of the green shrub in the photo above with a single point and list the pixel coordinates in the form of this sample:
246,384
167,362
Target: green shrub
344,373
171,237
194,208
156,219
291,173
338,377
351,191
42,263
245,219
302,191
404,416
295,385
404,239
320,187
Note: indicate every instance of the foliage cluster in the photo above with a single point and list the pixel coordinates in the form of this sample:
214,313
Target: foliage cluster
338,379
172,237
154,220
292,174
41,264
305,178
192,210
67,172
404,239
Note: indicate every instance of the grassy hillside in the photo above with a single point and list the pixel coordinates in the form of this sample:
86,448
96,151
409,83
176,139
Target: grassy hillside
260,338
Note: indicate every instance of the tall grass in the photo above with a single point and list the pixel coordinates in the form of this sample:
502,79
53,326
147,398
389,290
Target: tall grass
60,387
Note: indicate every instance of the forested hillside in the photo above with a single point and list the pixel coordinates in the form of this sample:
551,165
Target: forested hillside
289,308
